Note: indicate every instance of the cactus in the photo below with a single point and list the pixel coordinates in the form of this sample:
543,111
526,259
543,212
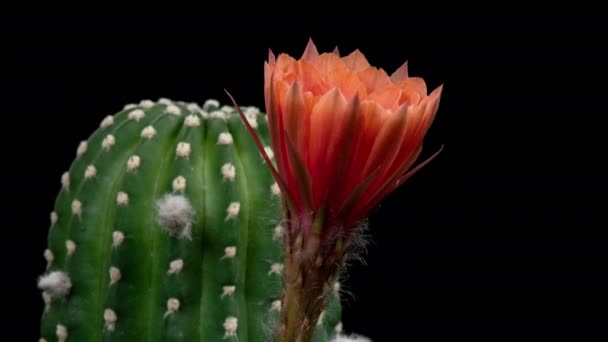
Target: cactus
168,228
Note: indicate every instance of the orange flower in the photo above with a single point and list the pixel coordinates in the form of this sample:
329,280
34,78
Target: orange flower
344,133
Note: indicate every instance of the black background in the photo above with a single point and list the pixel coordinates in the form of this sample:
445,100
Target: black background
501,235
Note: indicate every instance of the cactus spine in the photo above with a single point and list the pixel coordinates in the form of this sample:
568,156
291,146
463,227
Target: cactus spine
167,228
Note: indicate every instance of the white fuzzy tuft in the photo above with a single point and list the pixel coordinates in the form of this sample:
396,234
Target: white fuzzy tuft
76,208
321,317
192,121
146,104
56,284
225,138
227,109
276,269
338,328
193,107
107,122
251,114
49,257
172,306
218,114
115,275
183,150
228,290
42,339
65,180
175,266
62,333
117,238
212,103
122,198
136,115
47,299
148,132
337,288
174,214
129,106
179,184
90,172
70,247
229,252
269,152
204,114
108,142
351,338
275,189
133,163
109,317
233,210
173,110
279,232
229,172
165,101
231,325
82,149
54,218
276,305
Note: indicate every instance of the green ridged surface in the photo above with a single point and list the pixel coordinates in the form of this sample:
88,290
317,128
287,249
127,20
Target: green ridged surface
139,298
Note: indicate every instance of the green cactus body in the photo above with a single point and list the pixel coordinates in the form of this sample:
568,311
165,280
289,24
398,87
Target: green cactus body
167,228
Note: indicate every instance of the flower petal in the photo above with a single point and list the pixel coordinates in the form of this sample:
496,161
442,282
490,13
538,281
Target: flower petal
387,97
310,52
400,74
374,79
356,61
303,183
322,123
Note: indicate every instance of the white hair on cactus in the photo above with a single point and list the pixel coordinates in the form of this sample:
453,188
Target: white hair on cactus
350,338
183,149
269,152
108,142
233,210
276,269
115,275
76,208
62,333
212,103
136,115
56,284
276,305
228,172
133,163
179,184
146,104
117,238
193,107
148,132
165,101
129,106
109,317
107,122
251,114
82,149
228,290
70,247
173,110
122,198
65,180
231,325
49,257
175,214
229,252
192,121
218,114
204,114
227,109
175,266
279,232
338,328
90,172
275,189
172,306
54,217
47,299
42,339
225,138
